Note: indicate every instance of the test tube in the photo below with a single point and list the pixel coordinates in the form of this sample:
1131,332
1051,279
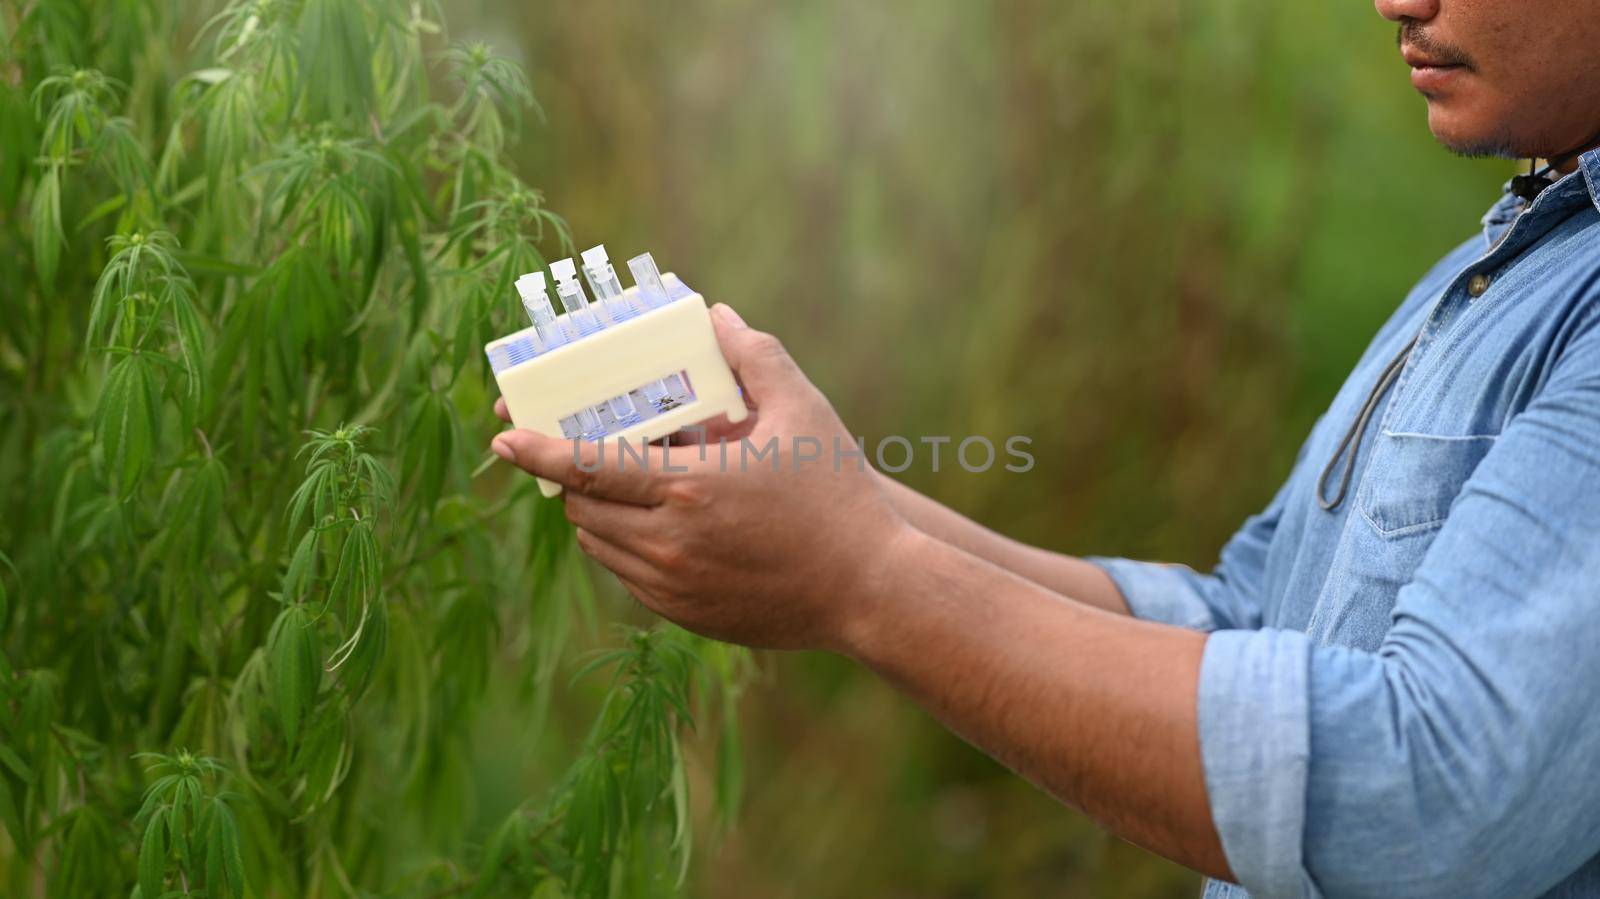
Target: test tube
573,299
645,274
579,311
536,300
654,292
603,281
608,292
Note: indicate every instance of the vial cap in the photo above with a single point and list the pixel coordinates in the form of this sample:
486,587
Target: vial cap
531,284
564,270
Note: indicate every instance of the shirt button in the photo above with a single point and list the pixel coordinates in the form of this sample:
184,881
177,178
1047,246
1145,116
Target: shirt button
1477,286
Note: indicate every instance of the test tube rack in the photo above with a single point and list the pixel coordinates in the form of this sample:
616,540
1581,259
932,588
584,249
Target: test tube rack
542,388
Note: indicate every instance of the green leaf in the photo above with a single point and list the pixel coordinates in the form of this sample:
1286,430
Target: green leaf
294,668
550,888
408,226
46,222
215,878
683,831
355,581
194,508
361,653
210,76
429,450
153,857
154,797
224,862
730,763
511,833
205,506
302,569
191,336
11,816
335,59
115,204
122,155
232,857
127,422
323,755
82,867
318,493
10,759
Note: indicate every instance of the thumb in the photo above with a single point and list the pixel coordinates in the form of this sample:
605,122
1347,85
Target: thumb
764,367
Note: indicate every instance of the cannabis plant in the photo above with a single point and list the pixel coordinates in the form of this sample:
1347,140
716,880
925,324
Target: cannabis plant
258,581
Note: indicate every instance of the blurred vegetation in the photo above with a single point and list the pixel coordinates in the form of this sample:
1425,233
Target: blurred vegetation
257,575
1153,236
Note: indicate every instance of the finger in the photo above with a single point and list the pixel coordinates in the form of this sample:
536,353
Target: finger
501,411
650,601
697,435
625,565
713,430
693,435
635,474
645,599
618,523
758,358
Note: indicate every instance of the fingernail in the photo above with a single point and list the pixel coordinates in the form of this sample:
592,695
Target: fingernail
729,316
502,449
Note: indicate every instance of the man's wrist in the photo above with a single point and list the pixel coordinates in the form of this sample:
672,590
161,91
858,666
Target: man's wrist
872,614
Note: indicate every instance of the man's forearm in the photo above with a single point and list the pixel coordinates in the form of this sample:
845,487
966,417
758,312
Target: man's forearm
1062,574
1099,709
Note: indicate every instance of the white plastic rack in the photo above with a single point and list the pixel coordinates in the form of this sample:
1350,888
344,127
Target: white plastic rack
669,340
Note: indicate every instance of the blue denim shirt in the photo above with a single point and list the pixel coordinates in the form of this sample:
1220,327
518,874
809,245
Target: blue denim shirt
1401,697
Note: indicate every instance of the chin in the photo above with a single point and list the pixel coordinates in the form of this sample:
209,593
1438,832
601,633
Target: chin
1468,134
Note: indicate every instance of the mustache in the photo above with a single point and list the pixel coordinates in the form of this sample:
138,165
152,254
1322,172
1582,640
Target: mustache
1411,34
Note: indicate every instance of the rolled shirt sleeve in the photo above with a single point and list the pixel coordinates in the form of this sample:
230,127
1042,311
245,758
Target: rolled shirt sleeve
1228,597
1459,758
1255,746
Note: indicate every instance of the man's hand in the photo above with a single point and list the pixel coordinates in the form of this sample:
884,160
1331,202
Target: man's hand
781,553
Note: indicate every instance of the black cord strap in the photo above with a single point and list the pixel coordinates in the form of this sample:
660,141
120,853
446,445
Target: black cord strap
1531,185
1352,437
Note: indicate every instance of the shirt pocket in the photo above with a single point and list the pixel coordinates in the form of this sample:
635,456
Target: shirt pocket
1414,478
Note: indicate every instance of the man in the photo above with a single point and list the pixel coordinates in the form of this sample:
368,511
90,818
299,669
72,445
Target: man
1386,687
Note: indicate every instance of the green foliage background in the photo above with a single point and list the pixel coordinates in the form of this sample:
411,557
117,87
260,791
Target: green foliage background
1149,235
259,597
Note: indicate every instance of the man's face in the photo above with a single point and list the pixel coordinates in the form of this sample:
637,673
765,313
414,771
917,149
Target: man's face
1516,78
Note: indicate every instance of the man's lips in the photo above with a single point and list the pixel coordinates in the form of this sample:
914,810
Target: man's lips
1430,73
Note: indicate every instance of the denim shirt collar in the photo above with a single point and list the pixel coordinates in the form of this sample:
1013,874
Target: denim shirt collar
1589,165
1582,185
